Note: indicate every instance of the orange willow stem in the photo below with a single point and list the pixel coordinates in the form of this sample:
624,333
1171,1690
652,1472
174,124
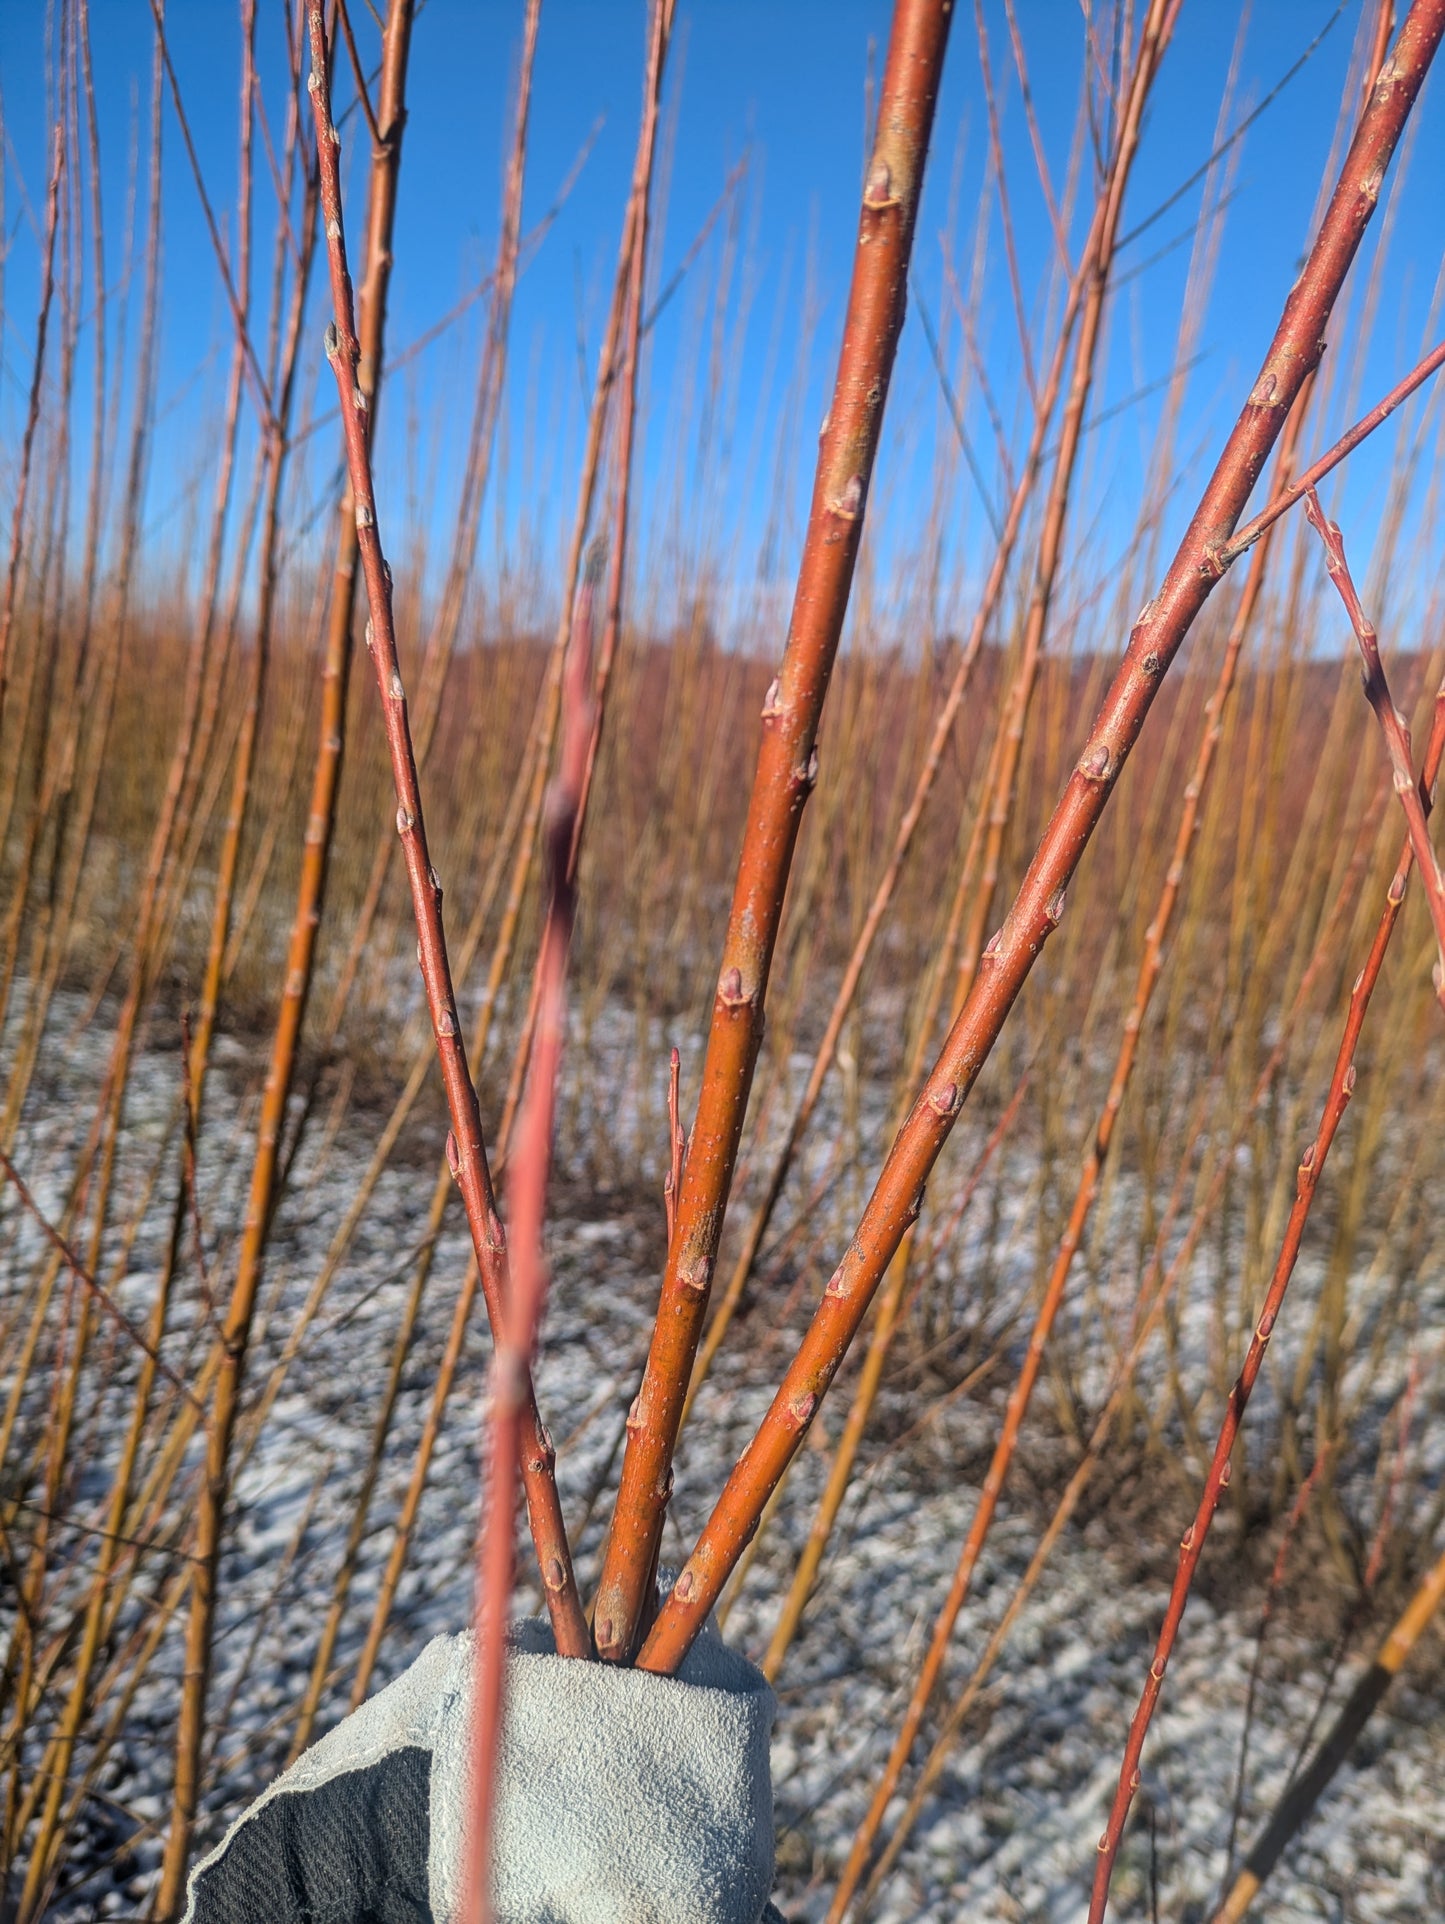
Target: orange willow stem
1009,957
1191,1548
300,959
786,771
996,808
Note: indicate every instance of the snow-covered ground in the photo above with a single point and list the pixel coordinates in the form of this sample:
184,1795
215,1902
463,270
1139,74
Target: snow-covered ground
1009,1830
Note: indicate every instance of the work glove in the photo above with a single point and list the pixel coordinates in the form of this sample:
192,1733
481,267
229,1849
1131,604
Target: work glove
622,1798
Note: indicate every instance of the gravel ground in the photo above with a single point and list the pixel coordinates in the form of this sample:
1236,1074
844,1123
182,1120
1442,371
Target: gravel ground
1008,1832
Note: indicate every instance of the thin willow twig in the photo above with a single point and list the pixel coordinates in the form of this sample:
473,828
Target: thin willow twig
491,383
1266,1616
626,421
1392,726
32,414
1306,1789
1246,537
85,1278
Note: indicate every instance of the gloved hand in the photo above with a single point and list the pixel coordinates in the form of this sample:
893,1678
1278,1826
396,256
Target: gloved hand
623,1798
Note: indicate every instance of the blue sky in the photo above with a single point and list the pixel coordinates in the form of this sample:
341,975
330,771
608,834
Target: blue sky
782,85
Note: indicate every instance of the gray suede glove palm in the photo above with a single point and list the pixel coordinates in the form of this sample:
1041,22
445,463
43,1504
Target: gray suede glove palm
623,1798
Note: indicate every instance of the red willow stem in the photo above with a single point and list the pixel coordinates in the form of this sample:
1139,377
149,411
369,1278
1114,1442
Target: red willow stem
530,797
437,654
1191,1547
1008,958
32,412
489,387
527,1195
478,291
786,771
466,1148
1392,724
1151,965
1155,1292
